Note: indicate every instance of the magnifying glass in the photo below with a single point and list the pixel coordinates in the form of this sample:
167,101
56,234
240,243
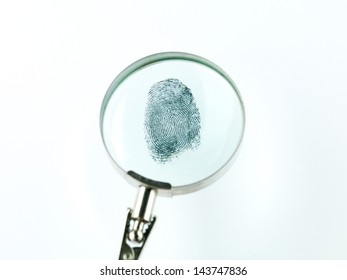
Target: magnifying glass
171,124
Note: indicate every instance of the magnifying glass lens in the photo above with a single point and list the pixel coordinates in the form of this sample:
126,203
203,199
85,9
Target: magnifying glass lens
176,119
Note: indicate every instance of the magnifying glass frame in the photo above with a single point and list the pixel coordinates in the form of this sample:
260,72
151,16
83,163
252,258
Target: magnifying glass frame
165,189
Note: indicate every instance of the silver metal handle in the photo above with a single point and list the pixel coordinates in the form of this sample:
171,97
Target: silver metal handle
139,224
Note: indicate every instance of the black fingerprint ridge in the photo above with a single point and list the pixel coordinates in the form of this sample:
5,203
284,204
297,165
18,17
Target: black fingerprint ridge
172,120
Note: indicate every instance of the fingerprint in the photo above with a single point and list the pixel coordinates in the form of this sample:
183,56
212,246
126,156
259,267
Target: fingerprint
172,120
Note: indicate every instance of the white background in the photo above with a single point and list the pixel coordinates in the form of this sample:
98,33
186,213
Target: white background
285,196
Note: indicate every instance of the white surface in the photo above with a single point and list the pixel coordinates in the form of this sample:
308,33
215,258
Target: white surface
285,196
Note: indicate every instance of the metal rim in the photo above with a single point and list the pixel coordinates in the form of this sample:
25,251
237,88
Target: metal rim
146,61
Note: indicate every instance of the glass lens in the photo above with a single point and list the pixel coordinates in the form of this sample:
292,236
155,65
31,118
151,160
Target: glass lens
172,118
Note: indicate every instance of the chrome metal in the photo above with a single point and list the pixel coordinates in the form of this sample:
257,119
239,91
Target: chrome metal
139,224
144,204
163,188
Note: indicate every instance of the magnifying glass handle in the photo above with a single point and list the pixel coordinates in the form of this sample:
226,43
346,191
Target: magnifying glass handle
139,224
